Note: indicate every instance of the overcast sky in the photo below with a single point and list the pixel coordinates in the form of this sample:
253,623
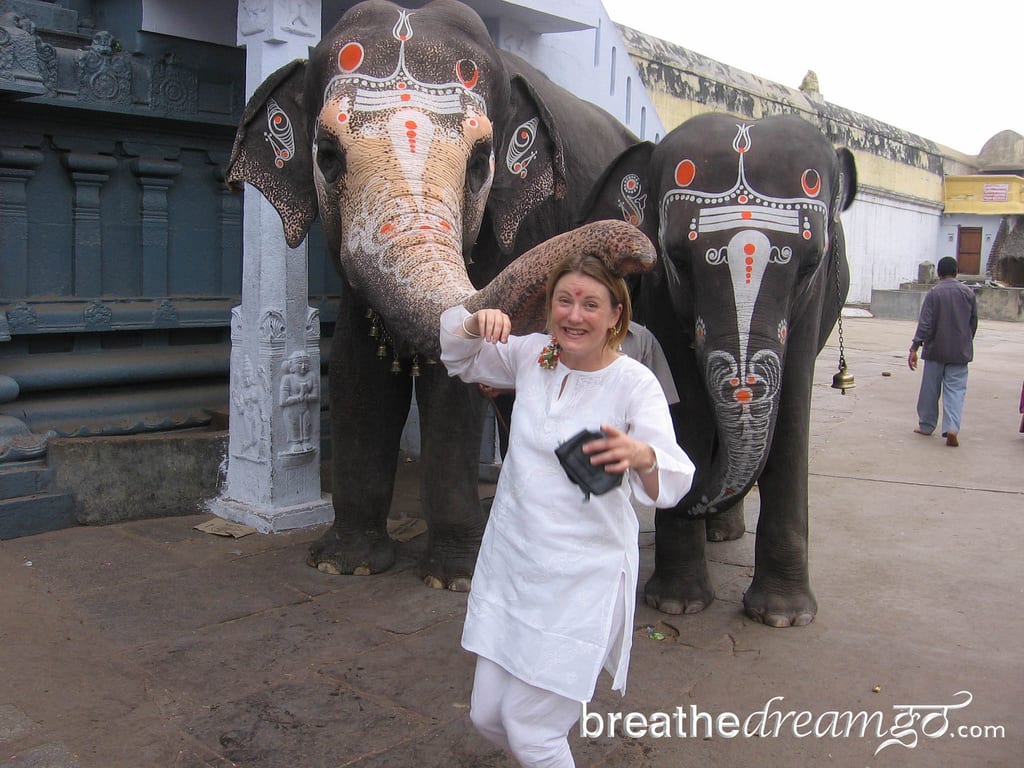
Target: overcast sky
950,72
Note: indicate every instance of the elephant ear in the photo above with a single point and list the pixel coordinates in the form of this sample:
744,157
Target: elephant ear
846,189
529,166
272,150
625,191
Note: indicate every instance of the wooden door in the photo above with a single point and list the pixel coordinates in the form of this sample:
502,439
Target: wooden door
968,251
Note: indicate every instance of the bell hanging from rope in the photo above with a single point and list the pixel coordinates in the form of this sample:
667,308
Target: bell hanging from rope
843,379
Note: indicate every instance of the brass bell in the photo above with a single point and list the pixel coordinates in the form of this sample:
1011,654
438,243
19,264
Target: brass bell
843,379
396,367
382,351
415,371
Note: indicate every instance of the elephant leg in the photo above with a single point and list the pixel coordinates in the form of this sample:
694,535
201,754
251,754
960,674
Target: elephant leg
369,407
680,582
727,526
451,428
780,591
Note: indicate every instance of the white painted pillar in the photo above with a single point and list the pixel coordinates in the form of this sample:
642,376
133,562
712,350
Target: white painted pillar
273,471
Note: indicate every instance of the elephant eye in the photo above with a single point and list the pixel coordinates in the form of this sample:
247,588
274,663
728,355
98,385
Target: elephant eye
478,170
329,159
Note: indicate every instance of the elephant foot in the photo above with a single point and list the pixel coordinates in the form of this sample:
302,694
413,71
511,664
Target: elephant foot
450,565
780,609
727,526
357,553
679,594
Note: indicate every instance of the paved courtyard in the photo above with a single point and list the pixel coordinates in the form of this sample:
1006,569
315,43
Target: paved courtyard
151,644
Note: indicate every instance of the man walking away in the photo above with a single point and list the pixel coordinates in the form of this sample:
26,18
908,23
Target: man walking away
946,328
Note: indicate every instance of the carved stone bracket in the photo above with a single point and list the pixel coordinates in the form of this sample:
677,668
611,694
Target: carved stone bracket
102,74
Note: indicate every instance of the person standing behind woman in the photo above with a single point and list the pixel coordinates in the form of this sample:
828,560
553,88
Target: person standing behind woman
555,581
946,328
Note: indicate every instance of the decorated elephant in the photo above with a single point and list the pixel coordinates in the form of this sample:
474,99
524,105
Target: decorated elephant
751,278
435,162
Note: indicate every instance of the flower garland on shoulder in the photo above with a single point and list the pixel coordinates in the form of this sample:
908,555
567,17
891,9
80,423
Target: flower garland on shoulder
548,359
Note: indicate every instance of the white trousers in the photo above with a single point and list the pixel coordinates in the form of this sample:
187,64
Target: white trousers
532,723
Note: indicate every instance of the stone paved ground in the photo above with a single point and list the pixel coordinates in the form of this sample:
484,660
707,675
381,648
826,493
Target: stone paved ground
152,644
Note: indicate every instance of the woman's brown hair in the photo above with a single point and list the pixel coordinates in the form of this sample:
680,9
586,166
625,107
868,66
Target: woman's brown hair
594,267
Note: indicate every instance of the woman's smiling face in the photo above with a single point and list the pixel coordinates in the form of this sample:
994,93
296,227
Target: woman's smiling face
581,317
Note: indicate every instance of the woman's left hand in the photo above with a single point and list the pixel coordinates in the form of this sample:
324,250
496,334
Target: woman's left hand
619,452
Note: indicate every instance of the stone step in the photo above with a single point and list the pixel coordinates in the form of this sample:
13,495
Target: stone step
35,513
24,478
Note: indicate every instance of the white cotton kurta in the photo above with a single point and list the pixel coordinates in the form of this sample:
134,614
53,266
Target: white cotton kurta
552,565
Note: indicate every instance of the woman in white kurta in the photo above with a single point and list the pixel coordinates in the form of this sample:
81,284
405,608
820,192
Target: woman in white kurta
555,581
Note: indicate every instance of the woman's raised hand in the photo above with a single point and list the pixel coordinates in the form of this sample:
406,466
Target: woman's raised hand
492,325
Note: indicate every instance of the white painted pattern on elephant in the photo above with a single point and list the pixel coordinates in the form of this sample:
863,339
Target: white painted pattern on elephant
279,133
744,398
741,205
411,131
383,222
633,199
401,87
519,156
743,390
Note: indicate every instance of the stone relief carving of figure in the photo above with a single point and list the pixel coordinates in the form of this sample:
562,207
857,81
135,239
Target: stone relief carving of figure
245,397
253,17
299,12
299,395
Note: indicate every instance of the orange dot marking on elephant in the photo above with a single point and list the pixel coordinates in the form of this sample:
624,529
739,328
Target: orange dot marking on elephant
405,97
743,198
686,171
744,395
446,225
746,215
811,182
350,57
749,249
692,235
734,382
386,228
751,380
807,235
343,117
471,76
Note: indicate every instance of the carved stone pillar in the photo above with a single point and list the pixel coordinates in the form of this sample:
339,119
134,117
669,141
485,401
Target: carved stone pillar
273,474
89,173
17,166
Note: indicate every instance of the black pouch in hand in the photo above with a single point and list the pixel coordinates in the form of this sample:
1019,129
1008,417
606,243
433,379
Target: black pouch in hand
591,478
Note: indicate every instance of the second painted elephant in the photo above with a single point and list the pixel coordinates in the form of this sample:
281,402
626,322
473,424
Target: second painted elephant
750,282
434,161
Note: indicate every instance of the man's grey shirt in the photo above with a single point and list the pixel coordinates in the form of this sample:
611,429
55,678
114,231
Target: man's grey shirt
948,321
